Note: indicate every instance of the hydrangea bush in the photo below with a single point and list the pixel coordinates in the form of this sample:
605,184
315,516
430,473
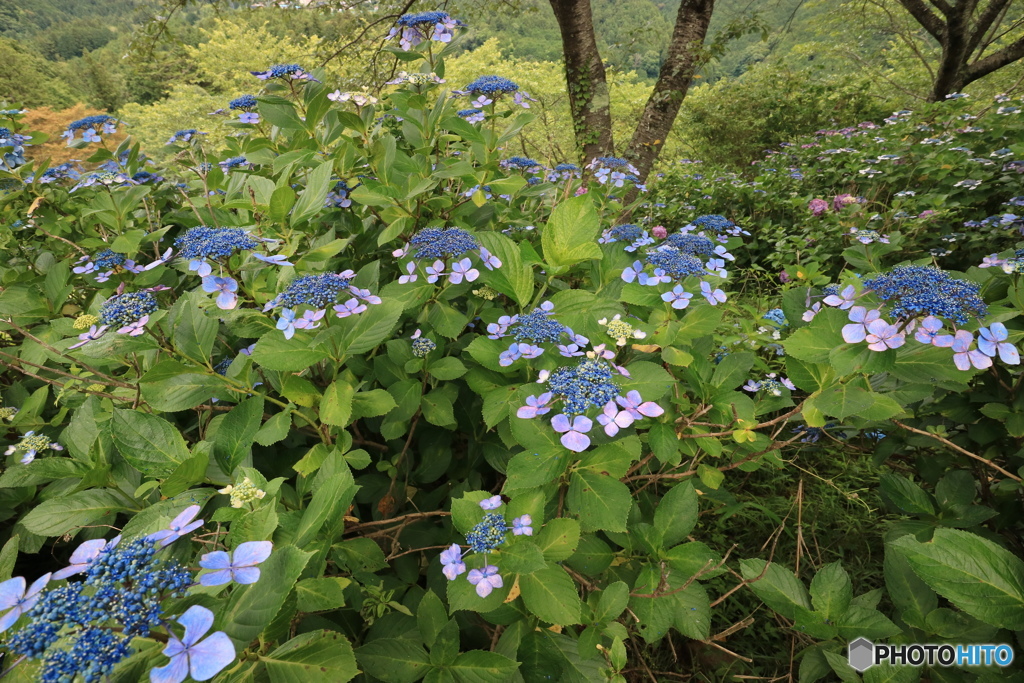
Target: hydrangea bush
449,414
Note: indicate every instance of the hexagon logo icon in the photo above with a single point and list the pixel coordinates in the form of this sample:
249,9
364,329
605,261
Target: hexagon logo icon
861,654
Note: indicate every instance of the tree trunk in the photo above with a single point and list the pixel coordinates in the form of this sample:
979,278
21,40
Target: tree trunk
956,38
684,58
961,42
589,99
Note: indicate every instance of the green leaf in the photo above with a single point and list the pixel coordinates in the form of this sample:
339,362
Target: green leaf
281,202
311,201
42,471
313,656
521,557
251,608
437,408
233,440
733,370
446,321
676,514
550,594
170,386
927,364
373,403
600,501
58,516
612,601
910,595
905,495
778,588
431,617
188,473
321,595
843,401
814,343
862,622
693,557
300,391
331,499
194,332
393,660
8,556
831,591
698,322
514,279
570,235
148,443
276,428
559,538
274,352
973,573
336,404
364,332
446,369
478,666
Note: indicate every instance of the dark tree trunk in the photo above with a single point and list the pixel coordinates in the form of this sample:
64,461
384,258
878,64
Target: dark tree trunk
589,99
964,33
685,56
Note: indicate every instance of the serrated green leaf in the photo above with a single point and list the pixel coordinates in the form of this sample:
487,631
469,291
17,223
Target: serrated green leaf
973,573
551,595
147,442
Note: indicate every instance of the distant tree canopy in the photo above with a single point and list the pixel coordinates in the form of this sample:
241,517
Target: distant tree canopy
74,38
27,79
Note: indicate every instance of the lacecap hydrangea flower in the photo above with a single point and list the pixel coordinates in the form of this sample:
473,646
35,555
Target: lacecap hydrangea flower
440,245
589,386
316,293
31,444
91,127
284,72
488,89
412,29
82,629
919,299
484,538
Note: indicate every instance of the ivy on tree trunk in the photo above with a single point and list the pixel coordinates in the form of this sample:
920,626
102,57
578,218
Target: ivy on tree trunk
589,98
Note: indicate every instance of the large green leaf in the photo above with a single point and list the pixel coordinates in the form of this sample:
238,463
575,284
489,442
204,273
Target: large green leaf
336,404
334,492
550,594
148,443
252,607
973,573
601,502
363,332
479,666
394,660
815,342
778,588
313,656
274,352
171,386
570,235
831,591
236,433
311,201
194,331
908,592
58,516
676,514
514,278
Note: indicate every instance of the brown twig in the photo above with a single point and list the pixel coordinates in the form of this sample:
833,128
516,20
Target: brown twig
956,448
